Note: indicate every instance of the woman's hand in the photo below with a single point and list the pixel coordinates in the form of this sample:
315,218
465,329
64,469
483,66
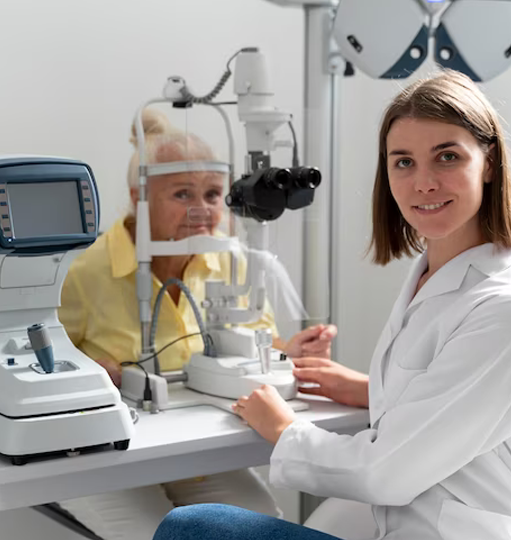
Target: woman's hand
113,369
332,380
313,341
266,412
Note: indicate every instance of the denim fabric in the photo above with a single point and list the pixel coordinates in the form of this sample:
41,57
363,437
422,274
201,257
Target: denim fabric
222,522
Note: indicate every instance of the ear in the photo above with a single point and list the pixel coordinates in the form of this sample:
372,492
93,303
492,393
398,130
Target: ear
489,170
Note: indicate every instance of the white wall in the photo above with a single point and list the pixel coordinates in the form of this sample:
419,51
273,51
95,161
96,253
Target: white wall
74,72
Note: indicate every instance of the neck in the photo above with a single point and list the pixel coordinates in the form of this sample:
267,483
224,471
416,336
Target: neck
170,267
441,251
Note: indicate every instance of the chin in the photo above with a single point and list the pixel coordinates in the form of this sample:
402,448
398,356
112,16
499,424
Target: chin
196,231
434,235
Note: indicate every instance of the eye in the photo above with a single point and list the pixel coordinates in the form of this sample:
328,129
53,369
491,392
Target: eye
448,156
213,195
404,163
182,195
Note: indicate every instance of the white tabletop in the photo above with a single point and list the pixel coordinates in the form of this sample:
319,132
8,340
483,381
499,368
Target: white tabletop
170,445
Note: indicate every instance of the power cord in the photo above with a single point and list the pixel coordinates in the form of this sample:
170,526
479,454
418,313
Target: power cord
296,161
148,394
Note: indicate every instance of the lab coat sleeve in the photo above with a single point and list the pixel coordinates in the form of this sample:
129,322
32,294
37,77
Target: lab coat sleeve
457,409
73,311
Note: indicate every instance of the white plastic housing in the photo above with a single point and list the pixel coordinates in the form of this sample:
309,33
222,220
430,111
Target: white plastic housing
255,102
294,3
54,433
233,377
27,392
46,412
480,30
385,29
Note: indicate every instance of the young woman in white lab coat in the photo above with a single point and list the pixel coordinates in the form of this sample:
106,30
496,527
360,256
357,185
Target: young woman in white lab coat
436,461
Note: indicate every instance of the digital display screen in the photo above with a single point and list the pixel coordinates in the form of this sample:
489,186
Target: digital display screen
45,208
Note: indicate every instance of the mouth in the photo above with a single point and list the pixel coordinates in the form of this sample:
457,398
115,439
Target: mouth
196,227
434,208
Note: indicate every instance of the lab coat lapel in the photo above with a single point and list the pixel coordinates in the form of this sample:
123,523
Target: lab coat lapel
406,295
392,328
446,279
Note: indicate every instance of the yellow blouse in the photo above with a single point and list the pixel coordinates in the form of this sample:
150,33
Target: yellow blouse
100,309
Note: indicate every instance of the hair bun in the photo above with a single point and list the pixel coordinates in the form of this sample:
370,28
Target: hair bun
154,122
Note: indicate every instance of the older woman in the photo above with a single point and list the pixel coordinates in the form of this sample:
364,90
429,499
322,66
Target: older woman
100,313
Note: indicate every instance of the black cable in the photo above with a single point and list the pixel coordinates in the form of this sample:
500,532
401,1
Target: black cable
296,162
140,362
172,343
208,98
148,394
224,103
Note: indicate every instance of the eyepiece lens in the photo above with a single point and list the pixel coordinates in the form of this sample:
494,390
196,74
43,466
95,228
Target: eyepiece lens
308,177
314,178
279,178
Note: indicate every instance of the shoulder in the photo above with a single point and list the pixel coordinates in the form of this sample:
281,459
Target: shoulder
95,260
487,308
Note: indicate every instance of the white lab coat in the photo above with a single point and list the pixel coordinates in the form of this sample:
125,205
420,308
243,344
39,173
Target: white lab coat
436,462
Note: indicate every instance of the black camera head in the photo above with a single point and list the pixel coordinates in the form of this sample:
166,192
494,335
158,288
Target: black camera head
265,194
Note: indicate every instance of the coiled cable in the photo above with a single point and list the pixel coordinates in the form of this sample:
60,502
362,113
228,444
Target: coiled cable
208,98
209,346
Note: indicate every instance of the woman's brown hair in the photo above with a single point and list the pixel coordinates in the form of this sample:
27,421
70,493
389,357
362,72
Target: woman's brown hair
453,98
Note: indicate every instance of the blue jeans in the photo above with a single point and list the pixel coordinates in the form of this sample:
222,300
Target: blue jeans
223,522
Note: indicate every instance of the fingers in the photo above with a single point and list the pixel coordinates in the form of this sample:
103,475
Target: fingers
317,347
328,333
312,362
310,333
242,401
315,390
239,405
308,375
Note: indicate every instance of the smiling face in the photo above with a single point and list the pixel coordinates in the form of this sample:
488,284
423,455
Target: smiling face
436,175
183,204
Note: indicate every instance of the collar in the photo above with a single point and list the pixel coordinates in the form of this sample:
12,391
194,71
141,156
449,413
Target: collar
123,256
487,258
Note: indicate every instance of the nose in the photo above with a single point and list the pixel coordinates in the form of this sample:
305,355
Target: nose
425,180
200,213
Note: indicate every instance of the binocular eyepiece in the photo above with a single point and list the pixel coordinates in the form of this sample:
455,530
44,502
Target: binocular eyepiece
302,177
265,194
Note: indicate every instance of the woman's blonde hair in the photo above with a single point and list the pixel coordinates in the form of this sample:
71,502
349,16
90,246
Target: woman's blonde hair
453,98
159,135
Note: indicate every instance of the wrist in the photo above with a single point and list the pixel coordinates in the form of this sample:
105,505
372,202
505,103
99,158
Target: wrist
360,393
281,428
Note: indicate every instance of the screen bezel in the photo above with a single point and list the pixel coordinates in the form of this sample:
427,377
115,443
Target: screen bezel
21,172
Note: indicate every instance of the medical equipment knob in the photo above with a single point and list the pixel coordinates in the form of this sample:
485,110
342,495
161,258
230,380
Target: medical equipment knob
263,340
41,344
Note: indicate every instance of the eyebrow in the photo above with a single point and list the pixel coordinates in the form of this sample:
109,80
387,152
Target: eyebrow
192,184
436,148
